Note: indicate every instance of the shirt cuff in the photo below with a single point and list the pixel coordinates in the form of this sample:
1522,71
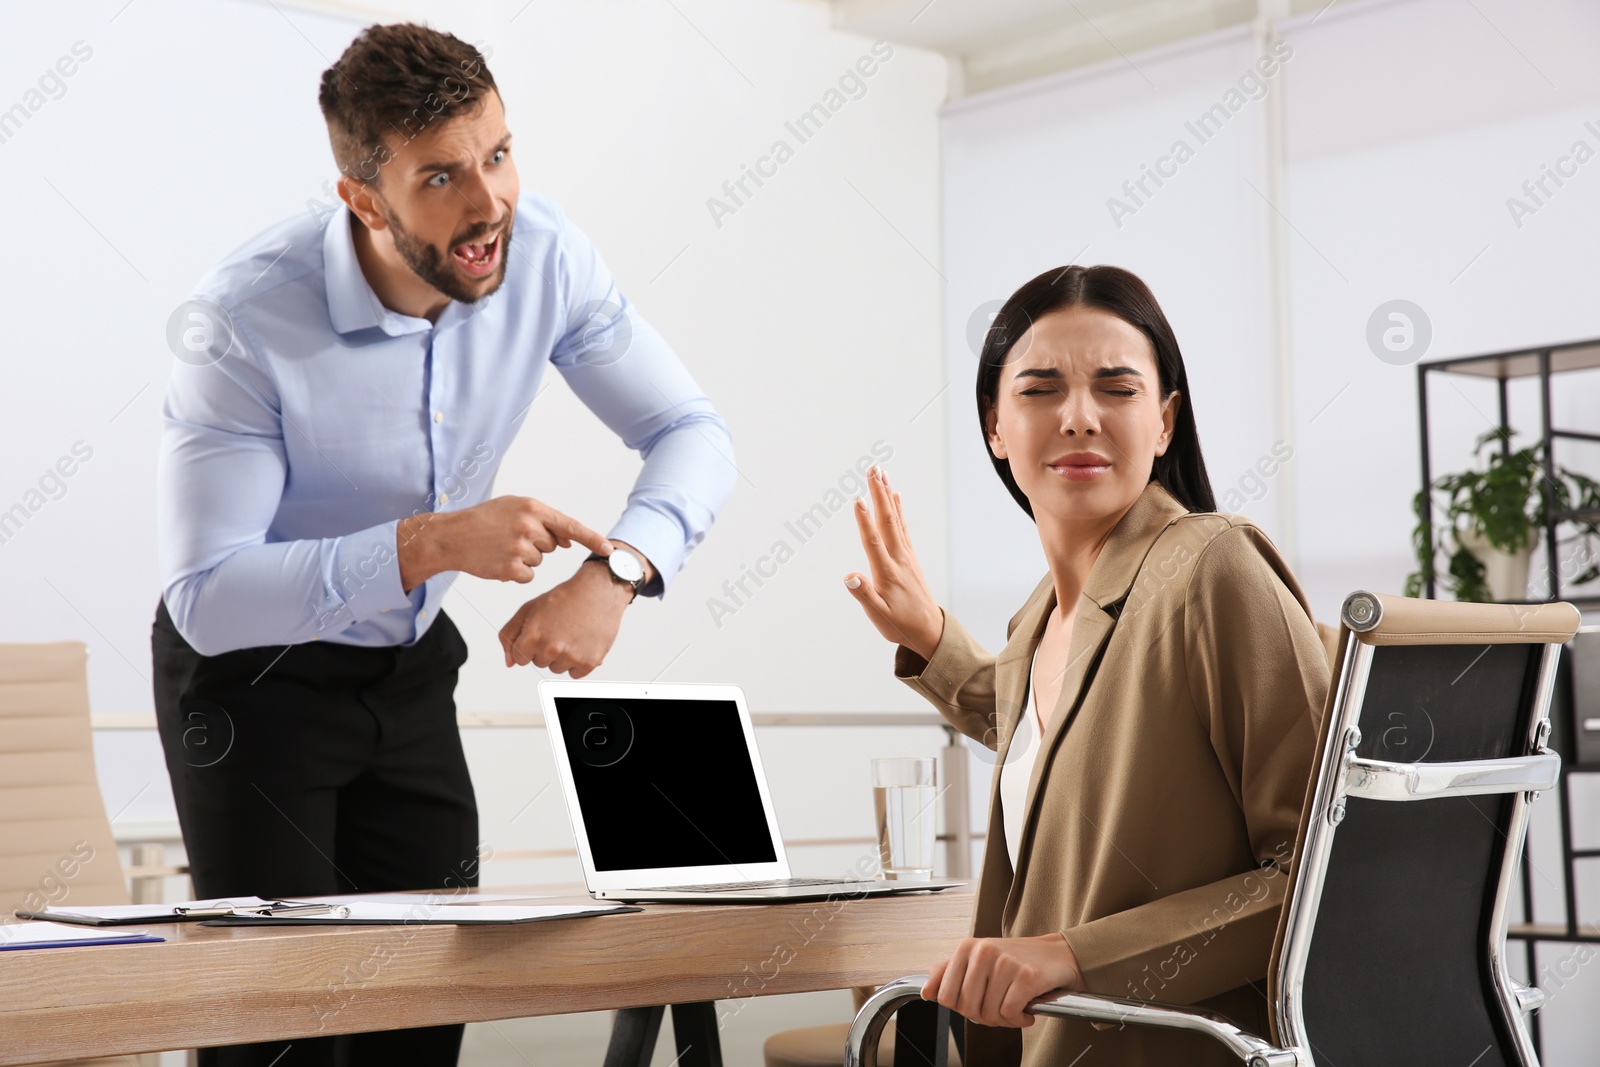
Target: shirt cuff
366,575
659,537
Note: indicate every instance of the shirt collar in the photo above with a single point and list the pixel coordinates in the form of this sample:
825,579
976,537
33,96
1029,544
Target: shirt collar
352,305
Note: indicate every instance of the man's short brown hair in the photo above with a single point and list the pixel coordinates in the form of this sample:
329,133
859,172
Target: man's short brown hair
391,84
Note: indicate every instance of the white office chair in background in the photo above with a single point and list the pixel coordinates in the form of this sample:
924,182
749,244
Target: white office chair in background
55,840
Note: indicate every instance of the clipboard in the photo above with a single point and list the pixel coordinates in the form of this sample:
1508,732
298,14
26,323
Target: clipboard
371,913
192,911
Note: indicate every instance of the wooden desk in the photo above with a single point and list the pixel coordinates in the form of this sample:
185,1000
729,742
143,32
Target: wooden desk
219,985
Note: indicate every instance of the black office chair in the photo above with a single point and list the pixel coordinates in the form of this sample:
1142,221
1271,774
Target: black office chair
1391,944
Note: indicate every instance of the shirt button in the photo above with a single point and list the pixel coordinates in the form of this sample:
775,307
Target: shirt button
444,498
383,611
438,416
421,613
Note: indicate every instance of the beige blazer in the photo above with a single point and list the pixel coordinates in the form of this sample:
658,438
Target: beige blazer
1163,806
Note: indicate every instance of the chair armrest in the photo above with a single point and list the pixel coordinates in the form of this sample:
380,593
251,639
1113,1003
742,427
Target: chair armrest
1382,780
861,1047
1251,1050
1529,998
861,1043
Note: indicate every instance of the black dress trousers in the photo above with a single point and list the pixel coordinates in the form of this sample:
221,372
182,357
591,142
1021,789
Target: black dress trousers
314,769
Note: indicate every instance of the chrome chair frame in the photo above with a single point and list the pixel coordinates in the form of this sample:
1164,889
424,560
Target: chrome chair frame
1340,774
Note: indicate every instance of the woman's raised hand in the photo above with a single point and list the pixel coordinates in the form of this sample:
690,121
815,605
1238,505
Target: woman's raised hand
896,598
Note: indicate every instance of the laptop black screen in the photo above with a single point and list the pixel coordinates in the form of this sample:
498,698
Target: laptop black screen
664,783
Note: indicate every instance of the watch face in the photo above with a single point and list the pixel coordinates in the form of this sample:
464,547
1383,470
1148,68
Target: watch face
625,565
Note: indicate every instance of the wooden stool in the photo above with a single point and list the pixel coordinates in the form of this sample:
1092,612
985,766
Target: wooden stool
823,1046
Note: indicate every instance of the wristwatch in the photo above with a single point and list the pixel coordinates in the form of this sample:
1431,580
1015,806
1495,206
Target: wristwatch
626,567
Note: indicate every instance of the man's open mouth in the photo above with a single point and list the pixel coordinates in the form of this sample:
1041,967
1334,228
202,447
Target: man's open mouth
478,260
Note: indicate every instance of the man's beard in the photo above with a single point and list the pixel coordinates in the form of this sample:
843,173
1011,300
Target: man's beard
432,266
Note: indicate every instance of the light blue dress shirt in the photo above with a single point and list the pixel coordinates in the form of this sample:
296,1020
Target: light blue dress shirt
312,419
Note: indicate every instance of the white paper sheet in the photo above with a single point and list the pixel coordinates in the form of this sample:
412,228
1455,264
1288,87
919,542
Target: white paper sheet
35,934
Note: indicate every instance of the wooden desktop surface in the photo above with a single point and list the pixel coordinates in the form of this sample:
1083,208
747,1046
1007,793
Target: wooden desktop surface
211,985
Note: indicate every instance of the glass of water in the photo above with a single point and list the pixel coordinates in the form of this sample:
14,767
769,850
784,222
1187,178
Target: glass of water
903,795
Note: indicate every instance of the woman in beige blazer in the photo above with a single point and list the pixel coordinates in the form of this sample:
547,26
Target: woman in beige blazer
1152,714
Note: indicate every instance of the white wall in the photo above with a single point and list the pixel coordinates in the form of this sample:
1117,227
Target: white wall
1408,125
1028,176
807,316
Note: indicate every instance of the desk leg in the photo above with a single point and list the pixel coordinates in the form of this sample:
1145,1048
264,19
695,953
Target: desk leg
694,1028
633,1037
920,1030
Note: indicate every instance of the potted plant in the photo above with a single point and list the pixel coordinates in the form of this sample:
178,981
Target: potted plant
1492,518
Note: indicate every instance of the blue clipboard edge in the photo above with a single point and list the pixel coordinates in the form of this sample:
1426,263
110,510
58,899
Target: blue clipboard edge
109,939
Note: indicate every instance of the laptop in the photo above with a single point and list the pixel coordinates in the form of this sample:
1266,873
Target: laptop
668,799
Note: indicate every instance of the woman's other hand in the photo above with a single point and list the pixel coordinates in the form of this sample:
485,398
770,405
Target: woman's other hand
896,597
990,980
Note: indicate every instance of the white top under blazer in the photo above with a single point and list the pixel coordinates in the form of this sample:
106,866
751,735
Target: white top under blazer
1018,769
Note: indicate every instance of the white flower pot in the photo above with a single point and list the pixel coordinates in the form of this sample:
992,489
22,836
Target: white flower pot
1506,573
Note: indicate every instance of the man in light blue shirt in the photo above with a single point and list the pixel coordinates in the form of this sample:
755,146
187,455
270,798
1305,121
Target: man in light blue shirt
346,390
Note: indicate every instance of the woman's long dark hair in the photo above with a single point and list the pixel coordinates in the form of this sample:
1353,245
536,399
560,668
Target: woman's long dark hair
1182,470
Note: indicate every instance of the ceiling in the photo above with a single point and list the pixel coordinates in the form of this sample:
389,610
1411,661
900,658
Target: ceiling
991,43
1000,42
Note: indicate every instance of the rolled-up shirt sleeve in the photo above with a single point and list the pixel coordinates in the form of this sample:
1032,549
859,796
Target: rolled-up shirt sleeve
629,376
220,479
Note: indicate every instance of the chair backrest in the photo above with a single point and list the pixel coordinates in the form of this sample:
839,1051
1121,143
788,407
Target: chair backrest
55,840
1391,944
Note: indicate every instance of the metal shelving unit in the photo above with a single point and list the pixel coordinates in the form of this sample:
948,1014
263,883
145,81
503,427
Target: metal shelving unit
1543,362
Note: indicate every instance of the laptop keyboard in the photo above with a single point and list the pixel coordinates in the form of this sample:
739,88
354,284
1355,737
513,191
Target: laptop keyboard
723,887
